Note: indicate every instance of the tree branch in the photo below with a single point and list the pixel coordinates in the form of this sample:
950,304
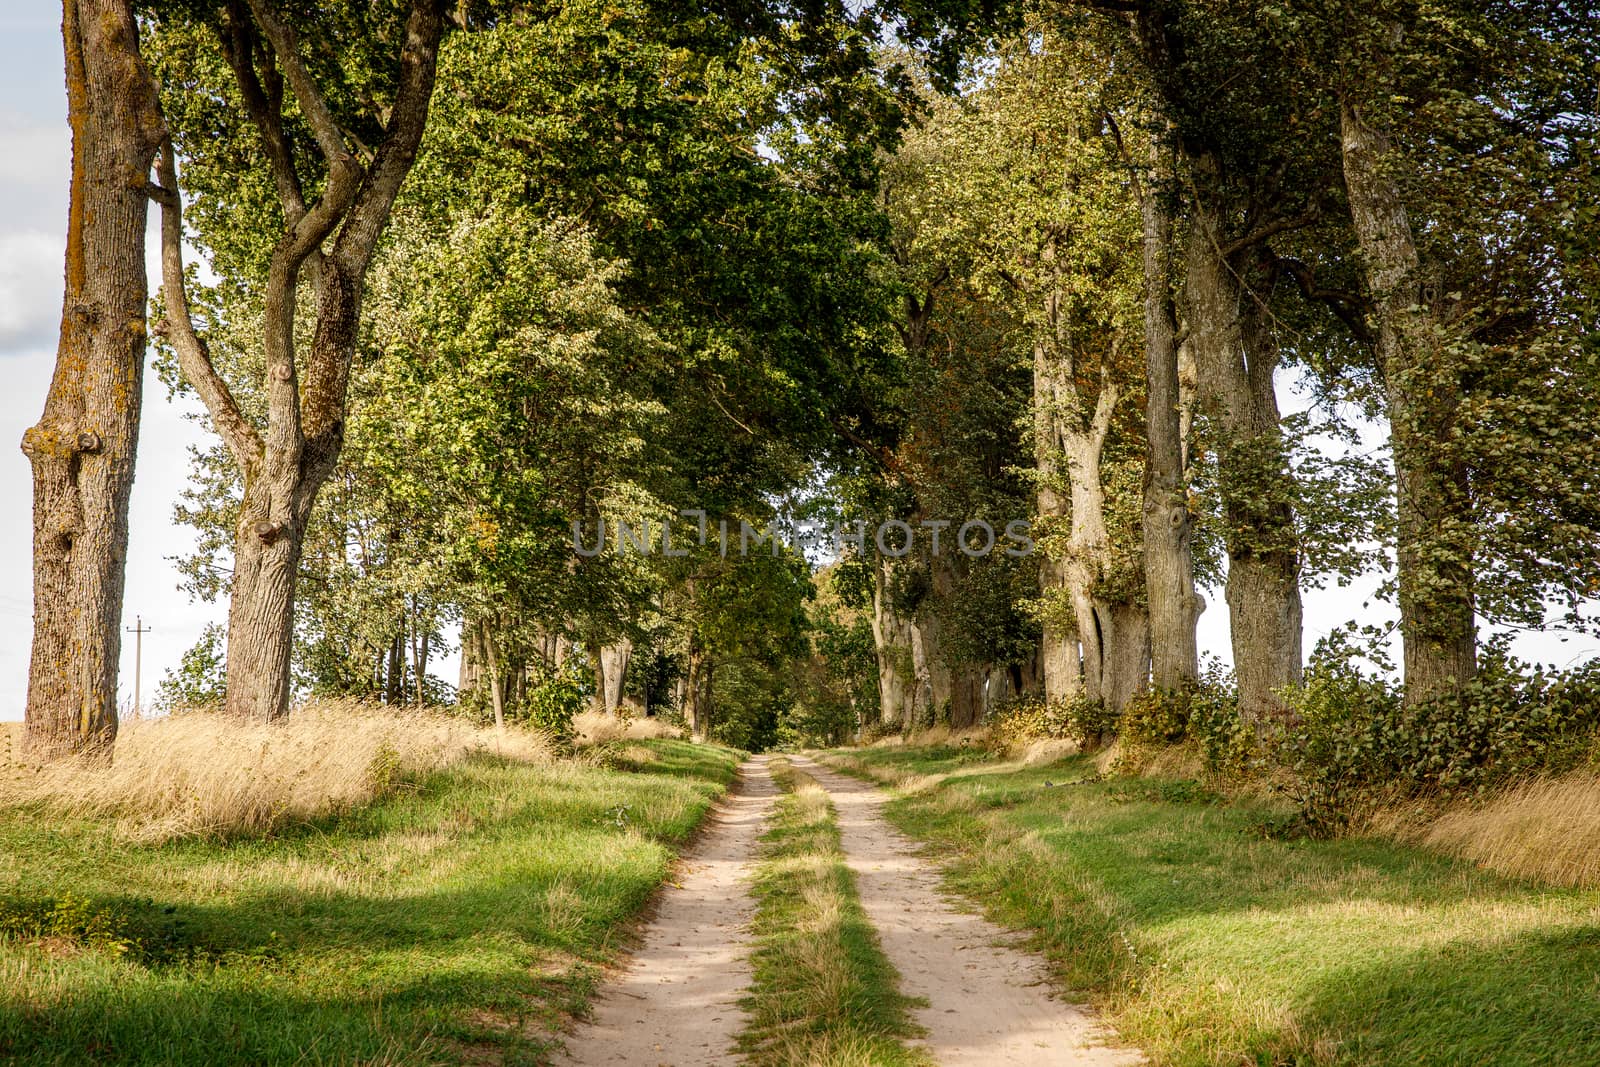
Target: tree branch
1351,308
285,43
194,358
419,59
1271,229
239,48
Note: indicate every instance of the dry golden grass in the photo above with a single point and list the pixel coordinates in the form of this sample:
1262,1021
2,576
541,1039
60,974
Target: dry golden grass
596,728
10,742
1544,828
205,774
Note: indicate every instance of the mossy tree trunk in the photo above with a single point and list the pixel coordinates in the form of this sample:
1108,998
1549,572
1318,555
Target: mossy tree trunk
82,449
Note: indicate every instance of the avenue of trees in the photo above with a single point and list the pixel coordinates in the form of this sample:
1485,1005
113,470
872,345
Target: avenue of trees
462,287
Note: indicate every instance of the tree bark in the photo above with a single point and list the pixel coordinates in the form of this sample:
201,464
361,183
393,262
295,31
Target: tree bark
1174,603
1060,652
284,468
472,656
699,693
891,637
491,660
614,660
82,450
394,677
1437,623
1235,363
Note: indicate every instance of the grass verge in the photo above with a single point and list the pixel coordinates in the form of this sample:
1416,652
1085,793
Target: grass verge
824,995
459,918
1206,943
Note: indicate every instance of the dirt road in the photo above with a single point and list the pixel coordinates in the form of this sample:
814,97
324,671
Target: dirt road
677,1003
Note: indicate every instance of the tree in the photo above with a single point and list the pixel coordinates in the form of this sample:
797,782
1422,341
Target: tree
82,450
334,203
1464,151
1168,525
1236,107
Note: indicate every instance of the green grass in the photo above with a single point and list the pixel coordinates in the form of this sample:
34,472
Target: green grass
1206,944
458,920
824,995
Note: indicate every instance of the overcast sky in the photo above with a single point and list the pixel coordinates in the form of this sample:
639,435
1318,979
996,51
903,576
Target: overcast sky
34,157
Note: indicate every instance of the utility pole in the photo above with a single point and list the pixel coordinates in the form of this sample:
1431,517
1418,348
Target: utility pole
138,630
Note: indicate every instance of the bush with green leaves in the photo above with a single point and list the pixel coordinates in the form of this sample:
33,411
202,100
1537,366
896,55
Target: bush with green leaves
1204,713
1351,733
1032,718
552,703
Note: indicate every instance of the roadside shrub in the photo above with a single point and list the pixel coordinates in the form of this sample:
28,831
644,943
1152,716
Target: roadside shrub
1030,719
1205,714
1335,741
1156,717
552,704
1351,733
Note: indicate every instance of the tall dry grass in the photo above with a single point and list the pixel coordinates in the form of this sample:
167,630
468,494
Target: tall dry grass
1543,828
596,728
205,774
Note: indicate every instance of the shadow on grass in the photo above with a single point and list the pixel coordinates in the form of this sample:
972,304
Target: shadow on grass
1508,1002
1215,946
470,911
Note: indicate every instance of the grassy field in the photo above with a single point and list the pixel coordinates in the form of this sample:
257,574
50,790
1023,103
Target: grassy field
824,995
456,919
1207,943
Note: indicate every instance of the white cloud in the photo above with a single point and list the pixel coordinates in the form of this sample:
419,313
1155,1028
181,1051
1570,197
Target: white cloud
30,290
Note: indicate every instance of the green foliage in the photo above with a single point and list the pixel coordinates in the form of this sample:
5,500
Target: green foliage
553,702
150,962
200,678
1079,719
1204,714
1351,734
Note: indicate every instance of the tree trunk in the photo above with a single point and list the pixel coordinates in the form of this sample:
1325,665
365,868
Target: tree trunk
420,660
933,680
491,660
82,450
394,680
614,673
699,694
1126,668
1235,365
1424,391
472,656
891,637
1174,604
1059,643
597,668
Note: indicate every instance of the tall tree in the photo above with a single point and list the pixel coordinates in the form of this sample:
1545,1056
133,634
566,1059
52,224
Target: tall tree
334,201
1227,90
1173,601
83,448
1467,136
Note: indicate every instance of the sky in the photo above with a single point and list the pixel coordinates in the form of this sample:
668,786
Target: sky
34,161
